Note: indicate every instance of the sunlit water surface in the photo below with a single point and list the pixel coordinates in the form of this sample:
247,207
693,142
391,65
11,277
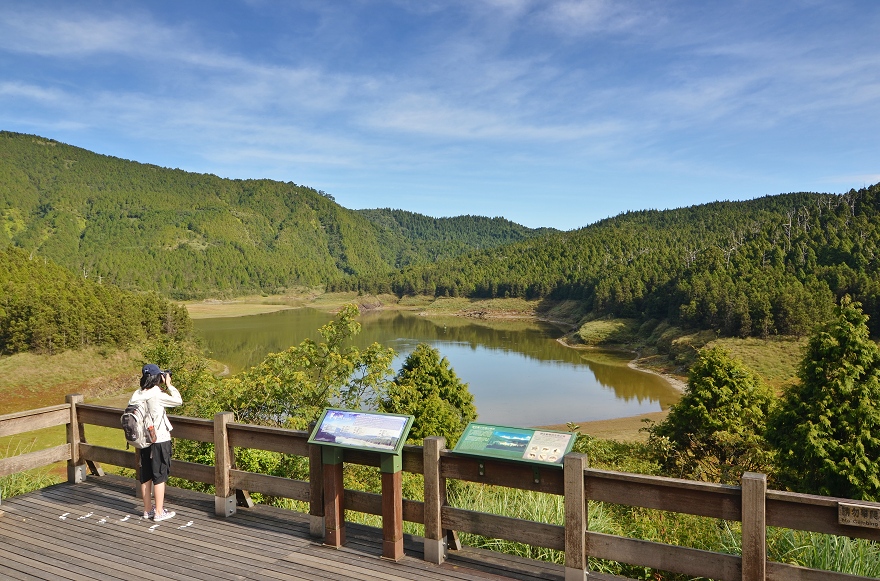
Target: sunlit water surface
518,372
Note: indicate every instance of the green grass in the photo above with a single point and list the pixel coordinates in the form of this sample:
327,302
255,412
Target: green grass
825,552
24,482
608,332
775,360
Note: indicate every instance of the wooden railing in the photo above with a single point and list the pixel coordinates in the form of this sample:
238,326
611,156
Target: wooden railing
751,503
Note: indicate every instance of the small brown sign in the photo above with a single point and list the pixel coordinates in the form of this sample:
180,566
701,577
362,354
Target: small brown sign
858,515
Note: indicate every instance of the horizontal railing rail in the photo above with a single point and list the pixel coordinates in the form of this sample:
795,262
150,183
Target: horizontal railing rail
30,421
751,503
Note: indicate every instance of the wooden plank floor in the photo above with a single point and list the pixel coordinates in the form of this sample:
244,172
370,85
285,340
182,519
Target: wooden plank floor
94,530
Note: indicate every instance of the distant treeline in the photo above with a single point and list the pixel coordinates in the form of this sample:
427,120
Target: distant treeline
46,308
774,265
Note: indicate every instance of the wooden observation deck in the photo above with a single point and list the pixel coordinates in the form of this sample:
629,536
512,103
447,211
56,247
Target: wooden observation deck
94,530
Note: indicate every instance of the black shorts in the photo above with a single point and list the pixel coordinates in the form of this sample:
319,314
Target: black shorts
156,462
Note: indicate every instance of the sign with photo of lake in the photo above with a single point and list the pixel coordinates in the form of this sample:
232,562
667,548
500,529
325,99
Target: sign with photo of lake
509,443
357,429
517,371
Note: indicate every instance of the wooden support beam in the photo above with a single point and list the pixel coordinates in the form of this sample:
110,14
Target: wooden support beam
575,500
754,527
316,489
76,467
392,515
334,498
436,545
224,495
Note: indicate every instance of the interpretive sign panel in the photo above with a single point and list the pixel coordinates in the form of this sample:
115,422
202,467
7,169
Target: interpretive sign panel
859,515
523,444
362,430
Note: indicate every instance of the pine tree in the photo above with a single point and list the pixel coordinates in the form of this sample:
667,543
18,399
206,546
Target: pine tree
826,431
428,388
715,432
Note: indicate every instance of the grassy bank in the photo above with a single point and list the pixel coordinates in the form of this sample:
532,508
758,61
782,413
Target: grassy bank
30,381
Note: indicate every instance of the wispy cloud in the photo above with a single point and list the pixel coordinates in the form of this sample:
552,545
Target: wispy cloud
460,91
77,31
15,89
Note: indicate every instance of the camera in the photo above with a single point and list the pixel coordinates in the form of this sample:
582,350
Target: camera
164,373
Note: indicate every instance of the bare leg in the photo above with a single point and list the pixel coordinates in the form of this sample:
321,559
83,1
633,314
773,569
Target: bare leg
146,493
159,495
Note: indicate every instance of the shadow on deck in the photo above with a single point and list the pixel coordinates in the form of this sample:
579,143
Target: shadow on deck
94,530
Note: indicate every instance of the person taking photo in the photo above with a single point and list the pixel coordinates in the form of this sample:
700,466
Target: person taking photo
157,393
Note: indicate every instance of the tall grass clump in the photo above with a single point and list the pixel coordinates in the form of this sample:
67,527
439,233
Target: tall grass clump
825,552
514,503
24,482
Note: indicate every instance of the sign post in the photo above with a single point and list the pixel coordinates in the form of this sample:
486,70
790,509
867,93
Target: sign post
386,434
334,498
392,507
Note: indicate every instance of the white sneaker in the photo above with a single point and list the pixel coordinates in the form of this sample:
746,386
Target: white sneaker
166,514
149,515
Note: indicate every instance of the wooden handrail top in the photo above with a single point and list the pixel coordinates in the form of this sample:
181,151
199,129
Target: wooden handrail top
36,412
814,500
677,483
267,430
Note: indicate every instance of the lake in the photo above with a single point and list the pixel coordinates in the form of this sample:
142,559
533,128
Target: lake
518,372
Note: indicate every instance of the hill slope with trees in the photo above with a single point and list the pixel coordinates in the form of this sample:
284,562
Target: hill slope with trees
188,235
774,265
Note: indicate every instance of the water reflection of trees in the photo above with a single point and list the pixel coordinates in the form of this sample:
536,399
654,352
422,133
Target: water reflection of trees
628,384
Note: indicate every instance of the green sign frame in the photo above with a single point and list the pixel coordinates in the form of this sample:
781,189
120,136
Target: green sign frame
530,445
359,430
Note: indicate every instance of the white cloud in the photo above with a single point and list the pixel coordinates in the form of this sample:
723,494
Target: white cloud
31,92
75,33
428,115
578,17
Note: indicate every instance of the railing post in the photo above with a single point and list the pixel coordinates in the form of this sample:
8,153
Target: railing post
391,467
754,526
334,497
576,521
76,467
316,489
224,494
436,548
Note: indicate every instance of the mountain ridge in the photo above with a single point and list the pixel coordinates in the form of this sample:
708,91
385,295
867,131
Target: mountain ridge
189,235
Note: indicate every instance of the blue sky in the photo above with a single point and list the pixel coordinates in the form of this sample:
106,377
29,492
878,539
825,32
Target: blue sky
549,113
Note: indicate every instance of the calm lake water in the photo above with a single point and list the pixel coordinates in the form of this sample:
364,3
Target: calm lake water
519,374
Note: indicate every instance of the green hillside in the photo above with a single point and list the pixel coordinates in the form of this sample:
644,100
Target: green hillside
188,235
442,238
774,265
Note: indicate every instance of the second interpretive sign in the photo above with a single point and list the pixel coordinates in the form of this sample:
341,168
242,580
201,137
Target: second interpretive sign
522,444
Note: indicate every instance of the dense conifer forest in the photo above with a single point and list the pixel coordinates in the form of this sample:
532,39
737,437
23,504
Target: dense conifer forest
46,308
774,265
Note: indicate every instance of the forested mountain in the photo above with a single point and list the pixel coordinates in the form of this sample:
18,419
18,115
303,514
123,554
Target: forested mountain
47,308
773,265
441,238
188,235
759,267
